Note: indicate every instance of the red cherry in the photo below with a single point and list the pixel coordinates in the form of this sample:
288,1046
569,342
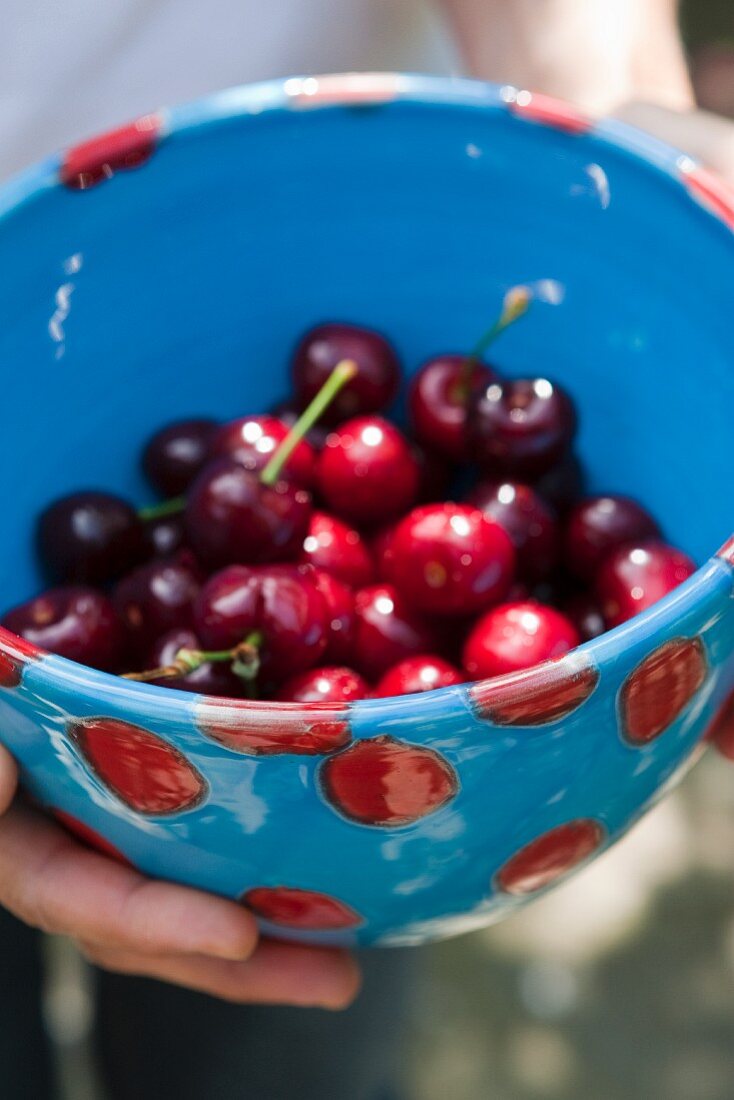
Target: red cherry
599,525
211,678
90,538
387,783
416,674
231,516
227,608
253,440
378,371
536,696
367,471
177,453
338,549
584,612
100,157
330,684
74,622
261,729
438,400
340,617
294,908
520,428
145,772
721,730
381,550
89,836
15,652
164,535
388,631
450,559
516,636
657,691
154,599
636,576
528,521
548,857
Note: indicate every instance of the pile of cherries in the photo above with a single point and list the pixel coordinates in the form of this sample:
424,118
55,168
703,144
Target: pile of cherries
320,553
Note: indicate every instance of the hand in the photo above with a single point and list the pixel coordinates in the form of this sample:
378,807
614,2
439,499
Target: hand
125,922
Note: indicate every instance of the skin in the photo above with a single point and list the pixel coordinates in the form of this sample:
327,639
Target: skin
609,56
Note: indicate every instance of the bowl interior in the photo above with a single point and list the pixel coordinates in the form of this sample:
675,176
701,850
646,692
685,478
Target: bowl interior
180,287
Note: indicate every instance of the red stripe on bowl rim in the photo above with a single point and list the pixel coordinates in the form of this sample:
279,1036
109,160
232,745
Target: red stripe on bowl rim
537,696
259,728
710,190
97,159
349,89
727,551
549,111
15,653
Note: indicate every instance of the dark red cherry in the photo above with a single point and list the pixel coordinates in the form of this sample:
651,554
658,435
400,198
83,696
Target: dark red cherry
438,400
388,631
520,428
340,617
227,608
75,622
330,684
154,599
516,636
287,412
599,525
367,471
563,485
416,674
585,613
164,535
90,537
450,559
231,516
211,678
177,453
635,576
253,440
337,548
528,521
378,371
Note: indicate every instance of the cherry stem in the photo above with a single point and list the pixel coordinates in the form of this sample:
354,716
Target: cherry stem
514,306
244,657
165,508
342,373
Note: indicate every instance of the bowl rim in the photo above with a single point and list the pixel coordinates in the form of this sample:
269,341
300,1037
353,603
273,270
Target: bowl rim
368,89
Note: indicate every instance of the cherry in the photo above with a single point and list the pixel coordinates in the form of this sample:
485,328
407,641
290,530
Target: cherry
528,521
338,549
598,525
548,857
210,678
287,413
516,636
231,516
381,549
415,674
378,371
450,559
154,599
90,537
584,612
660,687
227,608
637,575
520,428
340,617
294,908
164,535
388,631
74,622
388,783
563,485
176,454
330,684
438,399
145,772
367,471
253,440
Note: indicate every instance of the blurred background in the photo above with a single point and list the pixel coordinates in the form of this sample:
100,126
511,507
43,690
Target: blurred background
617,986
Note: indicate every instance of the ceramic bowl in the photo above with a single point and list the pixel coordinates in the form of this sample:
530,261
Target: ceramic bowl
167,269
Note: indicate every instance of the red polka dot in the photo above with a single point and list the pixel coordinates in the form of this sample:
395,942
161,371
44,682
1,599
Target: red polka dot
550,112
388,783
711,191
95,160
661,686
89,837
721,730
536,696
262,729
14,653
144,771
295,908
727,551
548,857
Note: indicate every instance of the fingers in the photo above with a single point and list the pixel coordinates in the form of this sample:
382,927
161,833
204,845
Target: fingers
704,136
51,882
277,973
8,779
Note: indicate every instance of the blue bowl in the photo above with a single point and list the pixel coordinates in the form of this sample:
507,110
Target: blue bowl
167,269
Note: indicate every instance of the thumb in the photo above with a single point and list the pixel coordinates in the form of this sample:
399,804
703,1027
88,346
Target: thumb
705,137
8,779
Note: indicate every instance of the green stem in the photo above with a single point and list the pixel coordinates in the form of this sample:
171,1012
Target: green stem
165,508
244,658
342,373
514,306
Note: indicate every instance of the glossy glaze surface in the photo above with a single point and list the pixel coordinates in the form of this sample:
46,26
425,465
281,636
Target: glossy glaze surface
473,798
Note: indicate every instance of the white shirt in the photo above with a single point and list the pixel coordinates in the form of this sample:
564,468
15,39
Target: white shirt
72,68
